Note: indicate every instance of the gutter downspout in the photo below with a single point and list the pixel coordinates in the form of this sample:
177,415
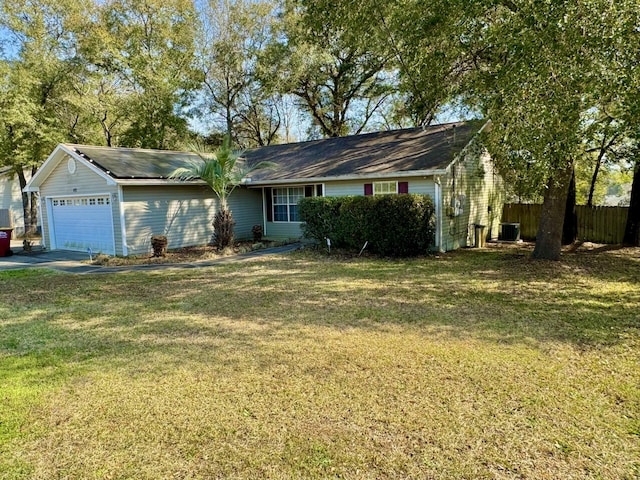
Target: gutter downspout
438,201
264,211
123,229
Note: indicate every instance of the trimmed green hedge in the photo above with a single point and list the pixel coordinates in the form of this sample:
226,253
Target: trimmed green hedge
394,225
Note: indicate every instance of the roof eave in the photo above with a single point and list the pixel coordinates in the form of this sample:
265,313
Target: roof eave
146,182
52,161
338,178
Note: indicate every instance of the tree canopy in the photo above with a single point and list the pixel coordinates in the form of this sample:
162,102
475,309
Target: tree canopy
538,70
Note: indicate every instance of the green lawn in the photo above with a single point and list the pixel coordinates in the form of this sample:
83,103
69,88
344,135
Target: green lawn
474,364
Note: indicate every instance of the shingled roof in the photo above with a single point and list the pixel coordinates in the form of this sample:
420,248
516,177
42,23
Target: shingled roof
133,163
374,154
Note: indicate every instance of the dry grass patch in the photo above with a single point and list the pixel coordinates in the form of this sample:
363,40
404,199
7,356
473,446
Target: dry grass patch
198,253
471,365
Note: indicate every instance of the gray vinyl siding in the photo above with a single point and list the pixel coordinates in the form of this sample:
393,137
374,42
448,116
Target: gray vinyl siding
283,230
419,185
184,214
246,206
472,181
61,183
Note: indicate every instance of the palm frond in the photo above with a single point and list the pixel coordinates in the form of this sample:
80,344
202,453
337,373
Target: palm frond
222,169
191,171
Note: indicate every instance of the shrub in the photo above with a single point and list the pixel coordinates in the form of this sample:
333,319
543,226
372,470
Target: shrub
394,225
318,215
405,225
356,222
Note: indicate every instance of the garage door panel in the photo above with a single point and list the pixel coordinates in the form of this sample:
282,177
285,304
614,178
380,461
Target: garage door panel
83,223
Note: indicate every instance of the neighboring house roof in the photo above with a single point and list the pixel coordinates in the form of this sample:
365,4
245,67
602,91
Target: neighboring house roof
413,151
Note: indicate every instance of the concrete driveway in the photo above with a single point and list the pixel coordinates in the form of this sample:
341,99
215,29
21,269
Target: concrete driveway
57,259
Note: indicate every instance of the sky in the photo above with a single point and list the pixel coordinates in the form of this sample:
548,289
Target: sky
8,48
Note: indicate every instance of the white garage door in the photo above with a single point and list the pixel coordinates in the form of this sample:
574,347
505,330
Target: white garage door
82,223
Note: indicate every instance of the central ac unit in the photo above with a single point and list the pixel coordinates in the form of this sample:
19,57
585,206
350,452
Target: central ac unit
510,232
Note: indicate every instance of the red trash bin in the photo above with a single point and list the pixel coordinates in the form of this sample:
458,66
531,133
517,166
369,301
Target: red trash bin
5,242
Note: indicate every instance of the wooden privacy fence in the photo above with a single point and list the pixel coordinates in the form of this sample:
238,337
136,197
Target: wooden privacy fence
595,224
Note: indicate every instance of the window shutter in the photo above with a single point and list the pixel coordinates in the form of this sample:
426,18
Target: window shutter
269,198
368,188
403,187
308,190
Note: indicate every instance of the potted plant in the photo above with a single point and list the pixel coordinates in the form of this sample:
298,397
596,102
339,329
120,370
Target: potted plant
257,233
159,244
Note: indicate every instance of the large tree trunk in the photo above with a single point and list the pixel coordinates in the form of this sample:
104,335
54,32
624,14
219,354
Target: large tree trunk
570,227
33,212
549,236
632,230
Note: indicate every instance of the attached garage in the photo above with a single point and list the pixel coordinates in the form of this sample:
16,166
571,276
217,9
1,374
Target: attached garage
112,200
82,224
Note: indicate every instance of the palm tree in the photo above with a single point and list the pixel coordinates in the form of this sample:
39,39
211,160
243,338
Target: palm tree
223,170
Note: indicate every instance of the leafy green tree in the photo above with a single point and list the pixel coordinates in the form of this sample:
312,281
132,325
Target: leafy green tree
420,43
542,67
232,39
536,69
627,79
338,76
36,98
222,170
609,147
140,56
535,85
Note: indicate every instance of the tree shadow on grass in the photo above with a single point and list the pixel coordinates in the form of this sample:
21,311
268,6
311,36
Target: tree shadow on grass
582,301
492,296
61,330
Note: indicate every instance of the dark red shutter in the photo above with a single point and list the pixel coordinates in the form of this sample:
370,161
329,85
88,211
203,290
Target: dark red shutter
308,190
403,187
368,188
269,198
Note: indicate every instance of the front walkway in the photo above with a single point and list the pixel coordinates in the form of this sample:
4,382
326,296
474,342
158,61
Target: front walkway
75,262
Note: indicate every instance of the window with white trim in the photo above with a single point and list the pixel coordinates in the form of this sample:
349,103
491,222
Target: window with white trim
284,201
385,188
